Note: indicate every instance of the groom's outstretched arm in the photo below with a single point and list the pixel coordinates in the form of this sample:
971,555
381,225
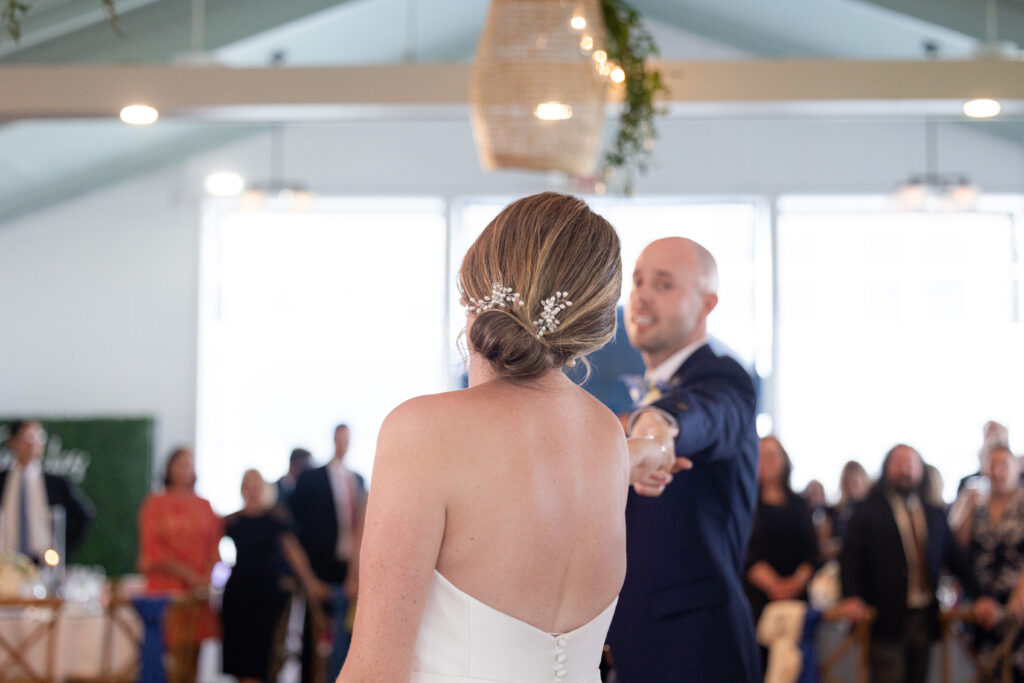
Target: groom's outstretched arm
714,410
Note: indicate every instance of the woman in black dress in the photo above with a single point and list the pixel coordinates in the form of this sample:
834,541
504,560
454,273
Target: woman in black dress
253,597
783,549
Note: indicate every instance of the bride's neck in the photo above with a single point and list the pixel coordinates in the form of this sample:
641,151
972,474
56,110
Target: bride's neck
481,372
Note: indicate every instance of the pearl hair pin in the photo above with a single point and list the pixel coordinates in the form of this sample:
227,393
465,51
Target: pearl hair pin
502,297
498,298
548,322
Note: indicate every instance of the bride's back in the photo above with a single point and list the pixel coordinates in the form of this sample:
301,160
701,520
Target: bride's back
534,524
515,488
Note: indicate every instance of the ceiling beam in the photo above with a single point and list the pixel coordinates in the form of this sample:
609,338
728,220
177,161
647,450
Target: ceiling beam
338,93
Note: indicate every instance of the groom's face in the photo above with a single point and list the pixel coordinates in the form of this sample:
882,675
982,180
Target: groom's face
665,310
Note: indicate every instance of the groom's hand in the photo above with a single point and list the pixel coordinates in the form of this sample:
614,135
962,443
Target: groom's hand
653,485
682,464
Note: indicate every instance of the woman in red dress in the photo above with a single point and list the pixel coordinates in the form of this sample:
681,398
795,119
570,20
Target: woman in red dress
178,539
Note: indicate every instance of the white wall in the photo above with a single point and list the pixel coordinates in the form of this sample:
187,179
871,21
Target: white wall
100,293
100,314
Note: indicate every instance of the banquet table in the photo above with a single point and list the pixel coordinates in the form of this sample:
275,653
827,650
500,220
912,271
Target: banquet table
54,640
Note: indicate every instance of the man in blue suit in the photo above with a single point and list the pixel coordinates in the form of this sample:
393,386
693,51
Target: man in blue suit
682,614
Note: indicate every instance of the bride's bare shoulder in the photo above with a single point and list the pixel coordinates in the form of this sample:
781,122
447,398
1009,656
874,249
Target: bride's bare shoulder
428,420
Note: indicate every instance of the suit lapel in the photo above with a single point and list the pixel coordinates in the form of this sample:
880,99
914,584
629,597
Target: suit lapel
689,367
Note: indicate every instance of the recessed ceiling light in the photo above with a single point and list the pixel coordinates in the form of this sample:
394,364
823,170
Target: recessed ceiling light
224,184
139,114
982,108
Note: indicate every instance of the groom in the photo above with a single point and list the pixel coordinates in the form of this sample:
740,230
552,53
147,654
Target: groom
682,615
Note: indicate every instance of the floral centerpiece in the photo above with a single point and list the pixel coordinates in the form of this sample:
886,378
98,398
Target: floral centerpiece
15,571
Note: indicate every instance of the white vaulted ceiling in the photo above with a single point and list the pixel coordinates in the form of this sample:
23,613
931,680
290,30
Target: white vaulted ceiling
45,161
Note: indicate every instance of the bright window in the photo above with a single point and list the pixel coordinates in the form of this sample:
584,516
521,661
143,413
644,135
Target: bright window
310,319
895,327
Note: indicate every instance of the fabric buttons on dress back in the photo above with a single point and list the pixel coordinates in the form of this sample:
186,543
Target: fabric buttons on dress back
560,657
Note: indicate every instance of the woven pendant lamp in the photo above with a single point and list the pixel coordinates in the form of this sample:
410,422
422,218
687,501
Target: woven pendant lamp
537,92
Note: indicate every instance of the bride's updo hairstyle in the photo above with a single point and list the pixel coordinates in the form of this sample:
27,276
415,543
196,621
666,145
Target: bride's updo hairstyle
546,248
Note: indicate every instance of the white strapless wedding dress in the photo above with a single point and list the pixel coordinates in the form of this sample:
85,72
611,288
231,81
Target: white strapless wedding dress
462,640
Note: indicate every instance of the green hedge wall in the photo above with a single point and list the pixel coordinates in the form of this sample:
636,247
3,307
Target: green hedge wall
110,459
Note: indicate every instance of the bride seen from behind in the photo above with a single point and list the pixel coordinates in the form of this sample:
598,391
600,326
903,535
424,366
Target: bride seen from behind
499,509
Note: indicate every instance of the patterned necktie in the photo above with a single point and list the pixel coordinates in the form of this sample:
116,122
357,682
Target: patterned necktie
920,537
653,393
23,544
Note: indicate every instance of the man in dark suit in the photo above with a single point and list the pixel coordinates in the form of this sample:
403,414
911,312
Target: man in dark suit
682,614
329,505
299,461
895,547
28,496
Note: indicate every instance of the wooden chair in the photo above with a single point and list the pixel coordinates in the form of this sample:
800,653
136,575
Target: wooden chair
280,653
320,623
120,622
858,638
15,664
995,667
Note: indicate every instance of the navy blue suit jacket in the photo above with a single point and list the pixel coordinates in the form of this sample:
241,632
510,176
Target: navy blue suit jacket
682,614
316,520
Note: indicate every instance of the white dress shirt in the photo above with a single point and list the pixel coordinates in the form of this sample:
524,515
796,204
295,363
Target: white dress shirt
911,522
661,373
665,370
40,526
343,486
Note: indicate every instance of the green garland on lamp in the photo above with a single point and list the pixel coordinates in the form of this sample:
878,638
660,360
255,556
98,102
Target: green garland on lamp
629,44
15,10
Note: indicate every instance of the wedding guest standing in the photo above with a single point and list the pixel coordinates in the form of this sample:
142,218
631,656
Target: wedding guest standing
329,504
894,551
783,549
854,483
992,531
253,597
28,496
179,536
298,462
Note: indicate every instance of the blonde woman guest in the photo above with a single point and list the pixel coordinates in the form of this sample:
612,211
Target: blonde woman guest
991,529
253,597
854,484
